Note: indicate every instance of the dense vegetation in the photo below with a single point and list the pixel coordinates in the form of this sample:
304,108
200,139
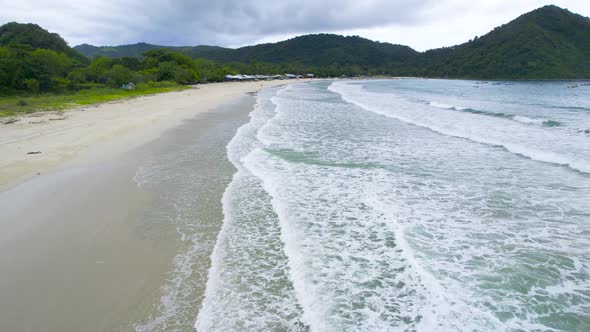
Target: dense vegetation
39,71
549,42
35,37
36,61
322,54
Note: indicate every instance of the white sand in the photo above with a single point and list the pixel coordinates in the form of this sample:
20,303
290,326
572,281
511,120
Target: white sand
103,131
74,253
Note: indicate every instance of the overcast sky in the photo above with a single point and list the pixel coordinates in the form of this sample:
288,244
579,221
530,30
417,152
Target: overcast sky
421,24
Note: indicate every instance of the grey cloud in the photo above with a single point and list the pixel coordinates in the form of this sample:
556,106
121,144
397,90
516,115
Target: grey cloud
427,23
228,21
224,22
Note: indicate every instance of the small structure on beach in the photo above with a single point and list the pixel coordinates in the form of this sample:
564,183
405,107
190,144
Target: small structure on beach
240,77
128,86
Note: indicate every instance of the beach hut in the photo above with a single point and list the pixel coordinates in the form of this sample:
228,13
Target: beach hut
128,86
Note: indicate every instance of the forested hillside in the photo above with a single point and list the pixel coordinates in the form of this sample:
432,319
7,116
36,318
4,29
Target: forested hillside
547,43
36,37
137,50
36,61
323,54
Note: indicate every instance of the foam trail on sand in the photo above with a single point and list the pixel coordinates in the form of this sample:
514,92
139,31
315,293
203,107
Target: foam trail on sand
185,174
248,286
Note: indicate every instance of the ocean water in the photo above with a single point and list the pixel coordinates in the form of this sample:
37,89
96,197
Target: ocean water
187,171
406,205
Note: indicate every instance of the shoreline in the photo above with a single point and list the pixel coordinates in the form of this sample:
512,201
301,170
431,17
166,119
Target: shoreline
99,132
86,245
189,174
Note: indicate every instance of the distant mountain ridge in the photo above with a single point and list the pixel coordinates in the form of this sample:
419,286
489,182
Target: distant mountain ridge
134,50
549,42
311,50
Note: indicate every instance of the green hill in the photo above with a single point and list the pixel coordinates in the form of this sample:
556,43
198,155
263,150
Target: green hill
322,50
33,59
137,50
37,38
309,50
134,50
549,42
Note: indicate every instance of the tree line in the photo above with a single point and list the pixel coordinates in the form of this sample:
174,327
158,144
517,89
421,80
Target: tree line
23,68
33,60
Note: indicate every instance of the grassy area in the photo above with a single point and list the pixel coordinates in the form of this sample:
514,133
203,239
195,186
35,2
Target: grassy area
16,105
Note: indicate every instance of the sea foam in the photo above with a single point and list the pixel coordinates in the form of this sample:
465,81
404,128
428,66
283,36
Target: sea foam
341,219
249,272
534,143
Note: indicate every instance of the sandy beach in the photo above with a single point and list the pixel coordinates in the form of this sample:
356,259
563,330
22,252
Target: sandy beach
102,131
86,245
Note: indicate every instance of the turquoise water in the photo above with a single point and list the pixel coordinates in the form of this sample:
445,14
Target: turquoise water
403,205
